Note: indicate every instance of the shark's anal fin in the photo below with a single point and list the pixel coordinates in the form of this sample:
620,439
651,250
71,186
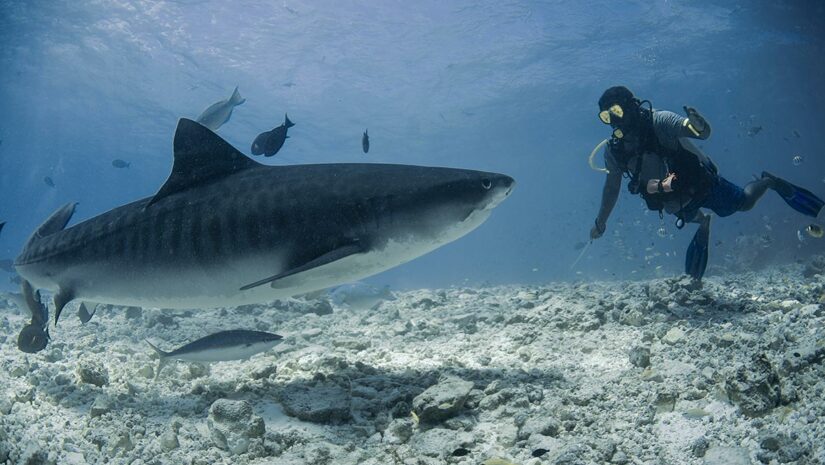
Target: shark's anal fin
84,314
327,258
201,157
63,296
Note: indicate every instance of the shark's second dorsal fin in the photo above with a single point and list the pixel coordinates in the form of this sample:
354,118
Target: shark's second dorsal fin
201,157
54,223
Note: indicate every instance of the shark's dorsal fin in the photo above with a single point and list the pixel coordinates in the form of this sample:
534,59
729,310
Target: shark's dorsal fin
201,157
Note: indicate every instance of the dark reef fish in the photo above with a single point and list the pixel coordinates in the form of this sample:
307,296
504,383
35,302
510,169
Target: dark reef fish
236,344
118,163
269,142
2,223
309,227
49,181
365,142
35,336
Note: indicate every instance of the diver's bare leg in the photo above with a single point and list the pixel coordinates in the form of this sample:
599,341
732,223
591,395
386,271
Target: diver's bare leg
754,190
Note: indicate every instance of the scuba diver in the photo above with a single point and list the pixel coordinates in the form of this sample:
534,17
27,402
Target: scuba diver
653,150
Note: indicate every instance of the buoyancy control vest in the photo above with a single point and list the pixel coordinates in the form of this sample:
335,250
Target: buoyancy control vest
695,172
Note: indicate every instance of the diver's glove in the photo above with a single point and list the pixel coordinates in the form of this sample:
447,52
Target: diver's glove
598,230
696,122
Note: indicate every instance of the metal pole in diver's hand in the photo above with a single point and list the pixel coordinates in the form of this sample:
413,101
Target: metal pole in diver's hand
581,254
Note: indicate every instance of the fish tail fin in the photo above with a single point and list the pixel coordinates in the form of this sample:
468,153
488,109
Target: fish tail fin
162,355
287,122
236,98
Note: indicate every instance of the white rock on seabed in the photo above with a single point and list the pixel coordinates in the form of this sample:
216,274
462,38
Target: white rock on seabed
233,427
661,371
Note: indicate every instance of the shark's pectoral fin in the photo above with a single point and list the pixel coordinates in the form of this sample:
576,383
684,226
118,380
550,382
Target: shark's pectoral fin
84,314
63,296
325,259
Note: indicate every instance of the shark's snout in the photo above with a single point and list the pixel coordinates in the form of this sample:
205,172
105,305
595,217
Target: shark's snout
499,186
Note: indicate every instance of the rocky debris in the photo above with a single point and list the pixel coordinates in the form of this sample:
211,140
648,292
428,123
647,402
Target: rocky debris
321,307
699,446
443,400
802,356
778,447
319,403
754,387
399,431
814,266
718,455
442,443
101,405
233,427
134,313
639,357
661,371
93,373
673,336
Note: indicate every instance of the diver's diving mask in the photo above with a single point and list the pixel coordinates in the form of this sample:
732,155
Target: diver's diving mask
613,116
615,110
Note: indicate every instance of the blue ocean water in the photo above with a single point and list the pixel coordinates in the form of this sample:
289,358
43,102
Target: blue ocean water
500,86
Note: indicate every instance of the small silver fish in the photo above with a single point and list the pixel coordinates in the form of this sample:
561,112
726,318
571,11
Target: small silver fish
223,346
219,113
361,295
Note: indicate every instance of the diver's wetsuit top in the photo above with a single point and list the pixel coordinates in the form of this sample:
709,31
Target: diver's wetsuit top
671,151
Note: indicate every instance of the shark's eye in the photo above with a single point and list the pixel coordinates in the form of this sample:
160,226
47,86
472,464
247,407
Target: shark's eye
486,184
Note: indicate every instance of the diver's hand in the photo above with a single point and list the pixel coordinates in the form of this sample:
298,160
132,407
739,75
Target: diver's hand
598,230
668,184
695,119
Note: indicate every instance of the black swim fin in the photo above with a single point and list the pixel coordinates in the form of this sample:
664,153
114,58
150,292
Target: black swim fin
801,200
696,258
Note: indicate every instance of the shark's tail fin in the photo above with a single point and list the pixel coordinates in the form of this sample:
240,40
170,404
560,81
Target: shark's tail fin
161,355
287,122
236,98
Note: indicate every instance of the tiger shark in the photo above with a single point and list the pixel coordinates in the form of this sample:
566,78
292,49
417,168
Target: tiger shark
225,230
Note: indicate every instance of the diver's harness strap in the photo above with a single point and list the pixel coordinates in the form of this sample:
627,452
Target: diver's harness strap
650,143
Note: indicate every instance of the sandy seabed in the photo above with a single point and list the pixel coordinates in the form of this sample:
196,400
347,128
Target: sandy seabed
644,372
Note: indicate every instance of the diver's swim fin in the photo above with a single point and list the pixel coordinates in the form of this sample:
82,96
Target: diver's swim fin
696,258
801,200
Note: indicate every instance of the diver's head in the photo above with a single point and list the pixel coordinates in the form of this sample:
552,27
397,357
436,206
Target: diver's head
620,109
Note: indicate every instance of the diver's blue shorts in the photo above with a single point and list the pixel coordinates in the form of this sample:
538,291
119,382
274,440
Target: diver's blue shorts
725,199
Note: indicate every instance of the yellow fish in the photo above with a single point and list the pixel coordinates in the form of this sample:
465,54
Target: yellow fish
814,230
